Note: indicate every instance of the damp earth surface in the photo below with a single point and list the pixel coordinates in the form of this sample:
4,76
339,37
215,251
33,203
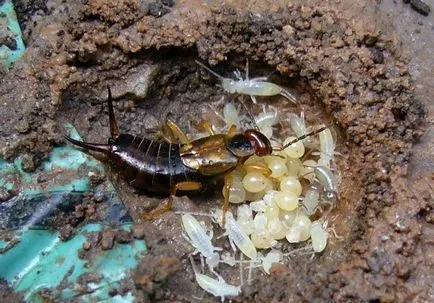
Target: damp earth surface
360,75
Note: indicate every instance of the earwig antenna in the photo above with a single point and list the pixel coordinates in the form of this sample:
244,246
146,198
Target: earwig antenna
301,138
209,70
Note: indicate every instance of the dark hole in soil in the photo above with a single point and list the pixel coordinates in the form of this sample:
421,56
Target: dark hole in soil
399,114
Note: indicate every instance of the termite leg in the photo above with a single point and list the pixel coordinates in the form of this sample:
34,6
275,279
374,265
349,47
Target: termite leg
226,190
181,186
237,74
259,79
253,99
251,117
257,169
176,131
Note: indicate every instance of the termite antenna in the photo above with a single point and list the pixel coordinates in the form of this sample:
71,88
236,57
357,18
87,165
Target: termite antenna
209,70
312,133
251,117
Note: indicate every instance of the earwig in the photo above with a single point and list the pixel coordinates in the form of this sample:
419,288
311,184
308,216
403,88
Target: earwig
252,87
166,167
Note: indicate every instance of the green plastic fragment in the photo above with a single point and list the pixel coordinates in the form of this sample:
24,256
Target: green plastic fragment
9,24
41,260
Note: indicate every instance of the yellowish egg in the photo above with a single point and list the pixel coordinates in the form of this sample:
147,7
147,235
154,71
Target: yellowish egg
294,165
261,240
278,167
287,217
300,229
291,185
307,170
295,150
286,200
254,182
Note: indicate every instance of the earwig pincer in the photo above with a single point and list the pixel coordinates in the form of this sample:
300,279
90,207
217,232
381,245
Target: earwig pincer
253,87
169,167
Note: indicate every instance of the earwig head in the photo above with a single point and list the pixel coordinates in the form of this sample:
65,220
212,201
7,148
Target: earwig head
240,146
260,143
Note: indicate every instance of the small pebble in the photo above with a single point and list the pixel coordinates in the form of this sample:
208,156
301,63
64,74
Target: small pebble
138,231
107,239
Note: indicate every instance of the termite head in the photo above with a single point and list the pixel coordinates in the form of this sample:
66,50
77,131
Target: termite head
229,85
330,196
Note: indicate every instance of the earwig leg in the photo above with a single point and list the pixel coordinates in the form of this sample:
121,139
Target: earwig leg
160,135
181,186
232,130
226,191
207,127
258,169
176,131
114,130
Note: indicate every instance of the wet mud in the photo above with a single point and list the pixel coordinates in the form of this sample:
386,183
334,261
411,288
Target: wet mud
344,72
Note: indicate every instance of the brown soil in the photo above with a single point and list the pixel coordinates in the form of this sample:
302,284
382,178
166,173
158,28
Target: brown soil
348,71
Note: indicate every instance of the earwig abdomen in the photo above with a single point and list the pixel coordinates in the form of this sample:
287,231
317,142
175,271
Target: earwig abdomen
150,165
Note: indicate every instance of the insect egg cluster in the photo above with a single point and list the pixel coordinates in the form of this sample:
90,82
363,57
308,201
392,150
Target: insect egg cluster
288,190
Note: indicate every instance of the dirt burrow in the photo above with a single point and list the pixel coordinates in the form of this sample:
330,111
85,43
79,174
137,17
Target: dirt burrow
348,69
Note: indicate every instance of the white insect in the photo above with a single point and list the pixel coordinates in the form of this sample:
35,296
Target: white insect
200,240
270,117
231,116
328,181
245,218
311,200
237,236
319,235
274,256
252,87
218,288
298,125
266,120
327,148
